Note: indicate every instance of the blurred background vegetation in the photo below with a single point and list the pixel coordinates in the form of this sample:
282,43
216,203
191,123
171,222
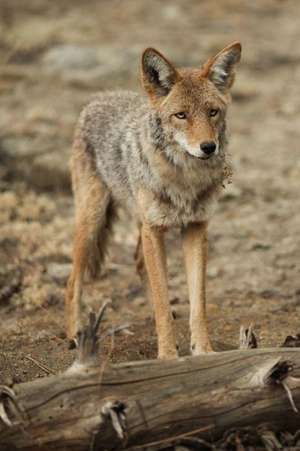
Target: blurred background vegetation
53,53
53,56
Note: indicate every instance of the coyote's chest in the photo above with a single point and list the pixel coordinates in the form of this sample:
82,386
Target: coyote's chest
185,199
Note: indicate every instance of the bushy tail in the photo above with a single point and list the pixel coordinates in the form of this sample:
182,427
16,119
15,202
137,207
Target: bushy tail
97,247
95,211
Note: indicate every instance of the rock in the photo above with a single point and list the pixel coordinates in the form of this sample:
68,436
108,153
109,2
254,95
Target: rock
260,246
79,63
213,272
59,272
133,292
172,12
51,171
27,160
139,301
17,147
64,57
232,191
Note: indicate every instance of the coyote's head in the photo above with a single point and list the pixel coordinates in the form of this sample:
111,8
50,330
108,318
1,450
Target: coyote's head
191,103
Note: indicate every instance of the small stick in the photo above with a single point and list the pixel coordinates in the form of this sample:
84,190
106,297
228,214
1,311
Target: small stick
100,316
87,341
115,330
289,395
40,365
247,338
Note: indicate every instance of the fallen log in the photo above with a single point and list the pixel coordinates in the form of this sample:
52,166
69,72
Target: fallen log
94,406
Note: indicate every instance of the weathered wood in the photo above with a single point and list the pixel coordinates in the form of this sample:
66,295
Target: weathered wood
151,401
132,405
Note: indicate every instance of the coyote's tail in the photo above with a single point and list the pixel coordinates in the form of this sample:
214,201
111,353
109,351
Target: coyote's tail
95,210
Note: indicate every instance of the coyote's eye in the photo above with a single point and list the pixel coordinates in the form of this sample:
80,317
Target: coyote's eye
181,115
213,112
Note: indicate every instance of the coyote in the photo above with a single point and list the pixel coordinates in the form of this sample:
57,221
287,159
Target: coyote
163,158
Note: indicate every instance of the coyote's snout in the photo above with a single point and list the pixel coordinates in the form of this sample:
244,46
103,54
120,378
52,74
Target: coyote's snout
164,159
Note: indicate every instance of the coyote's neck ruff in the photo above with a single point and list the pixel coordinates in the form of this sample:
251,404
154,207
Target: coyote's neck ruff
164,158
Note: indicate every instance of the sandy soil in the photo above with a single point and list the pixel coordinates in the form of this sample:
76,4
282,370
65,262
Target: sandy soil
53,56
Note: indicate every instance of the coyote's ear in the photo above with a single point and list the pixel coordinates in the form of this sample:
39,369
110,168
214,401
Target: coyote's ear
158,75
220,69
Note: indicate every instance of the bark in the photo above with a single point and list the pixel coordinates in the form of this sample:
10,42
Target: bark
141,404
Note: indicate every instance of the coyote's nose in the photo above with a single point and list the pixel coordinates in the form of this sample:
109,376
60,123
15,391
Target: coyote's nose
208,147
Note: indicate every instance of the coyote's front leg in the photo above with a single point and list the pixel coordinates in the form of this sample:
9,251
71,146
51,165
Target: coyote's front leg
195,250
155,261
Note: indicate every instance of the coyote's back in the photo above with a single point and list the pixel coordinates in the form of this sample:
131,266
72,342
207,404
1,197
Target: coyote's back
110,133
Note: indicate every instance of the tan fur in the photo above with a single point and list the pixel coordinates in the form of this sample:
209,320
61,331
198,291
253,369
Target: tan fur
147,157
156,265
195,251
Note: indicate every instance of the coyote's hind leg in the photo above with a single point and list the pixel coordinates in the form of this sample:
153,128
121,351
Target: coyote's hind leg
93,217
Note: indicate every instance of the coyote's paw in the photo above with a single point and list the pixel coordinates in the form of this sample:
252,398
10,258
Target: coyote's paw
72,334
168,352
168,355
201,348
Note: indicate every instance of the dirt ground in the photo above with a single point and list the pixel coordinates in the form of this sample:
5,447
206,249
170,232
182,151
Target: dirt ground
53,56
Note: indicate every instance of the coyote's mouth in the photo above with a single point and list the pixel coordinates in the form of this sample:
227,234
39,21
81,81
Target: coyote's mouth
200,157
205,158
